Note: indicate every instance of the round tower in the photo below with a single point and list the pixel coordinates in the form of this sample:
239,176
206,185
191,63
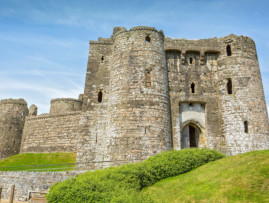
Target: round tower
12,117
244,115
139,117
65,105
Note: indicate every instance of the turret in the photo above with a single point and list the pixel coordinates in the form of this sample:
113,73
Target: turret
139,117
12,117
65,105
243,108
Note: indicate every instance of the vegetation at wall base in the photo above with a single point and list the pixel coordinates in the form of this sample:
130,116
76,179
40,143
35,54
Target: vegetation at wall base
39,162
124,183
241,178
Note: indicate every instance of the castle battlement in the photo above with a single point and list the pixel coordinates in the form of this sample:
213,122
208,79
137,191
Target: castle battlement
13,101
146,93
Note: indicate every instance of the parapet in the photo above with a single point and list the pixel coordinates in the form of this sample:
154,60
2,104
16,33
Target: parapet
119,30
65,105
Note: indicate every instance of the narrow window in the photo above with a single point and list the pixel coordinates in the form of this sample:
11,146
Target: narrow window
102,59
228,50
190,104
192,88
147,39
100,96
96,139
191,60
148,79
246,126
229,86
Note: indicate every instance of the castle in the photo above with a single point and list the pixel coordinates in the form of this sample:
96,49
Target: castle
146,93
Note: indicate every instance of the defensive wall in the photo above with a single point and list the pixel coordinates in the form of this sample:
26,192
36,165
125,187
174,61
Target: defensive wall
27,182
52,133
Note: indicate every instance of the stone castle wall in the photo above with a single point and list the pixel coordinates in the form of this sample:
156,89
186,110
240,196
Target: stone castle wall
141,92
205,65
194,62
52,133
133,119
26,182
246,103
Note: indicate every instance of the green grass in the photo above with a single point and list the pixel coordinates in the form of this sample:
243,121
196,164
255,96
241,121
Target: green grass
241,178
29,161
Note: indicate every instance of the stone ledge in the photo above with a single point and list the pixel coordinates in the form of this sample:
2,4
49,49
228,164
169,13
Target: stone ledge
65,99
40,117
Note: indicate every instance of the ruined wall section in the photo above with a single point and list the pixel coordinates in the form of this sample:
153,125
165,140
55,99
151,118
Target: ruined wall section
12,117
65,105
193,63
246,101
53,133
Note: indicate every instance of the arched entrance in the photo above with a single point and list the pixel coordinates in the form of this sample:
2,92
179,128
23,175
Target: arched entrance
190,136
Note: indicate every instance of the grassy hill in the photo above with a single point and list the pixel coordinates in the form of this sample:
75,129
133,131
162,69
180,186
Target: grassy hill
29,161
124,183
241,178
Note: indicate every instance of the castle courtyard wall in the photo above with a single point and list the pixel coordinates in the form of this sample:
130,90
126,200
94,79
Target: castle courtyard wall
52,133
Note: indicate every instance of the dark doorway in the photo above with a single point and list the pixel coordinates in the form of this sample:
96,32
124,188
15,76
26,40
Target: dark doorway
192,137
189,137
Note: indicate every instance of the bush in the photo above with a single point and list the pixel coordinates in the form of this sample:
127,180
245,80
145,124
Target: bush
123,183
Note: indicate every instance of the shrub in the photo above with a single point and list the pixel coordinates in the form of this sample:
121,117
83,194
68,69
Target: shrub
123,183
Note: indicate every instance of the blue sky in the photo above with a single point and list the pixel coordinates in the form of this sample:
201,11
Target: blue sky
44,43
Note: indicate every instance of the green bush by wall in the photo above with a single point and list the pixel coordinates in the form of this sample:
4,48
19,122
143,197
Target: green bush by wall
123,183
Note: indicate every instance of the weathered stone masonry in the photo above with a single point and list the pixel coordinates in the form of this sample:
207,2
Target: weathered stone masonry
144,94
26,182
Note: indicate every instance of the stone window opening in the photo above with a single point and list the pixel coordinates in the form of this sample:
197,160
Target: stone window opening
102,59
228,50
100,96
96,139
148,79
246,126
192,88
147,39
229,86
191,60
190,104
